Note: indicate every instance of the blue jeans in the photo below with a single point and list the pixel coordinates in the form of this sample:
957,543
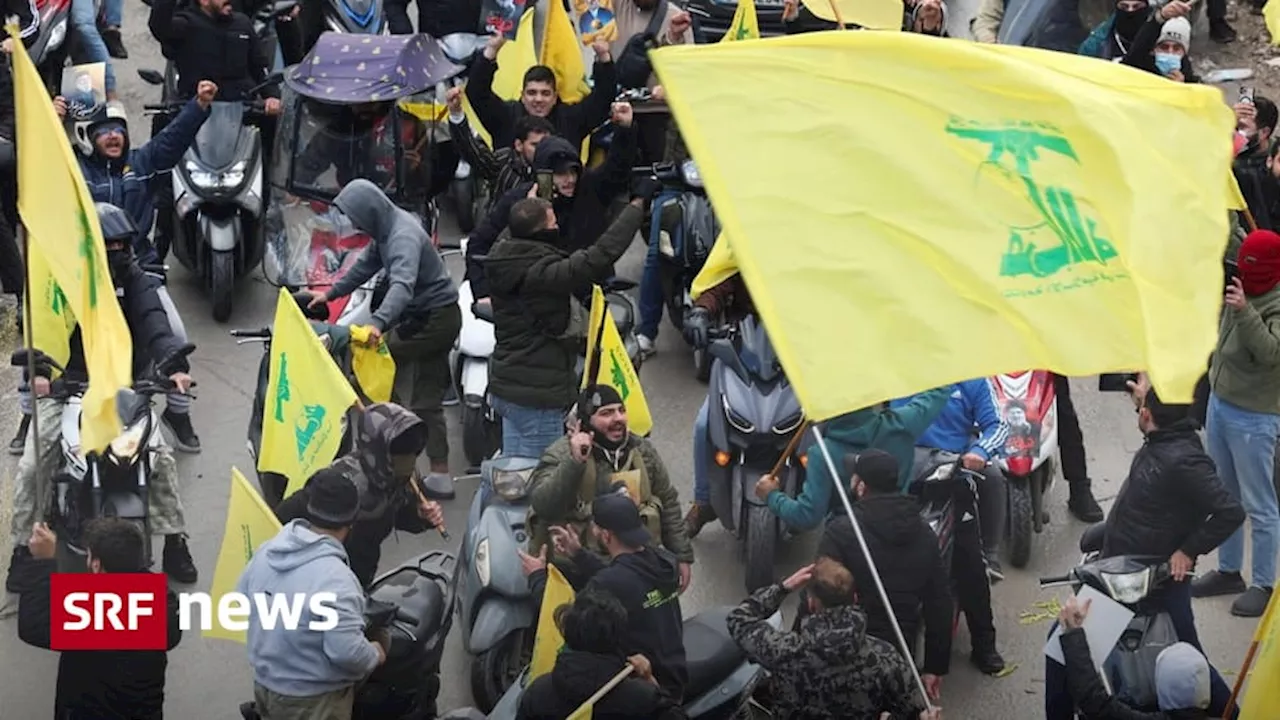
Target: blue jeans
701,454
84,22
112,13
651,300
1242,444
1175,599
526,431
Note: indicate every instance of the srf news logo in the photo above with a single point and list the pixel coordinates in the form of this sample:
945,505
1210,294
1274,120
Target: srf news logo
130,611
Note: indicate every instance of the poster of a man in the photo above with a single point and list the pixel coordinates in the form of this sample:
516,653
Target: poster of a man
596,20
1024,437
85,89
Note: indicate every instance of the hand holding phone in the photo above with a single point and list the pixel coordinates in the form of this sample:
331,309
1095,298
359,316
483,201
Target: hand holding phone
546,185
1247,94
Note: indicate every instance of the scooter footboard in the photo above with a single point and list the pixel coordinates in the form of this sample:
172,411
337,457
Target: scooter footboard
497,618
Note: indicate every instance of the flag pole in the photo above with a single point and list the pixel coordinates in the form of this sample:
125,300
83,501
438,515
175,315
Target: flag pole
835,10
28,332
613,683
1263,626
591,373
871,564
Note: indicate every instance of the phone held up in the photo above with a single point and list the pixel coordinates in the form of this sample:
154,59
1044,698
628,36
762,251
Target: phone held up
546,185
1116,382
1246,94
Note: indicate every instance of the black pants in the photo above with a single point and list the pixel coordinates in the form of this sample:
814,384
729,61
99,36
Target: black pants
972,586
1070,439
1216,10
12,274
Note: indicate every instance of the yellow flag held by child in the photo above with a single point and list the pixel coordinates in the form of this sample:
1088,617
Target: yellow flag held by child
605,349
249,524
51,319
375,368
745,26
562,53
62,223
547,640
307,396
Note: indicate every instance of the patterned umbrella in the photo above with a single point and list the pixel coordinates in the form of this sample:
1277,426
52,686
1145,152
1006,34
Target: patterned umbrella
351,69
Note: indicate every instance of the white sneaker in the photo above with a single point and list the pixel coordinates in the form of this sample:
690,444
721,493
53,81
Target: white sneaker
646,344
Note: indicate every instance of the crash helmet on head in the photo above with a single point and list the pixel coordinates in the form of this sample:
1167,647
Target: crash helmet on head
113,113
116,224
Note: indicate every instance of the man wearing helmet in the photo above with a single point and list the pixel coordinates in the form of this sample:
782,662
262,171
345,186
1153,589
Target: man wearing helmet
153,342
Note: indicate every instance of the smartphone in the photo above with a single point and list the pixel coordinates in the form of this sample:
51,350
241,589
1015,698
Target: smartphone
1230,271
1116,382
546,186
1246,94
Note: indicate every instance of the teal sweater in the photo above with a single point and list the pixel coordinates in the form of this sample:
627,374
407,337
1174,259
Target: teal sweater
893,430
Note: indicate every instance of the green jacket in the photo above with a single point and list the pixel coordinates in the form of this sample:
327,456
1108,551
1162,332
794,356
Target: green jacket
1245,368
558,495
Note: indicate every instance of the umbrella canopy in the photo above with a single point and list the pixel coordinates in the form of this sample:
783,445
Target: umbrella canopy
351,69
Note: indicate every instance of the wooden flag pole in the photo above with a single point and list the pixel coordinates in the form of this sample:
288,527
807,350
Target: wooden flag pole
835,9
791,448
613,683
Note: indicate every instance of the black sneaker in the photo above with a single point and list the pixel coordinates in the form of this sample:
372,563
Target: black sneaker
988,661
177,562
21,555
114,42
1253,603
1220,32
18,444
184,436
1216,583
1083,505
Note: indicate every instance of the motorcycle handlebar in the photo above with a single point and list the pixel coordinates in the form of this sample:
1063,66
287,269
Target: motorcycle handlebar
63,388
251,107
1055,580
259,333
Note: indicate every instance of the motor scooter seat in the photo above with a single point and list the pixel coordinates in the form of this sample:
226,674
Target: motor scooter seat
711,655
420,603
1092,538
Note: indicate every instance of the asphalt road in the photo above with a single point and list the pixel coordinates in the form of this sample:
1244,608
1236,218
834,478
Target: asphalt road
207,679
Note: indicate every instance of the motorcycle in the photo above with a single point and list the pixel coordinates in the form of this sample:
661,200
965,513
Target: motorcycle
414,605
722,681
753,414
1027,402
1130,580
115,481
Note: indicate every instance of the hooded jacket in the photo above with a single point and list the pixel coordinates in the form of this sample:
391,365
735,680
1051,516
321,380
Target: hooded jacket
906,554
894,430
385,505
307,663
1110,38
572,121
582,218
1182,683
95,684
829,669
418,280
575,678
972,406
1245,368
647,583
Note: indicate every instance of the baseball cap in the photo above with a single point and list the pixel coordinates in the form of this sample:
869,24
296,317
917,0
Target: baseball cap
620,516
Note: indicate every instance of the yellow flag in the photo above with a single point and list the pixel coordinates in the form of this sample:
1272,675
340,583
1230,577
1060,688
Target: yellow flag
1004,203
562,53
719,266
1271,15
249,524
744,25
1235,197
62,223
375,368
51,319
547,640
514,59
1262,695
869,14
616,369
307,396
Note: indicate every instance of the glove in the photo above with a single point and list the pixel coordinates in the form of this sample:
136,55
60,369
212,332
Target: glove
697,326
645,188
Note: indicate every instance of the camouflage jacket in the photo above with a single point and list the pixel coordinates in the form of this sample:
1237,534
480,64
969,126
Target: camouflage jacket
829,669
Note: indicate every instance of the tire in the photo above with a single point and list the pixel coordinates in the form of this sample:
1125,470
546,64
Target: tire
499,667
1020,522
761,539
701,364
464,208
222,283
480,438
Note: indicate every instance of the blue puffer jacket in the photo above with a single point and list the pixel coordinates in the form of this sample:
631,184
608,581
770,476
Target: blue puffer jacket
126,182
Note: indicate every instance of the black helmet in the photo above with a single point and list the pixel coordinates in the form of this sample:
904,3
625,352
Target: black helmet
116,224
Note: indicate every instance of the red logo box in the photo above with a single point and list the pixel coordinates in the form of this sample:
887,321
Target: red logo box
108,611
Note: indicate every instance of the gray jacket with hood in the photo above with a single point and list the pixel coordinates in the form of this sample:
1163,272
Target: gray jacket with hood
418,279
303,663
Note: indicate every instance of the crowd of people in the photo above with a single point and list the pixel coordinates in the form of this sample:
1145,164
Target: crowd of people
605,511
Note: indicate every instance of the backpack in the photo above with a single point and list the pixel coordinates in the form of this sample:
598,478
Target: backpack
633,66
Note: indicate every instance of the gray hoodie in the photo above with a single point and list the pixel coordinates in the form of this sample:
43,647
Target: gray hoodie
419,281
303,662
1182,678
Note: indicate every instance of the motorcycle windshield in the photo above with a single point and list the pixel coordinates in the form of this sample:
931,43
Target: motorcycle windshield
218,143
756,351
309,243
339,143
130,406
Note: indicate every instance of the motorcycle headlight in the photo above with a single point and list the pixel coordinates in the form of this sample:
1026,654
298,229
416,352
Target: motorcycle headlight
1128,588
689,171
229,180
511,485
739,423
789,424
57,35
482,562
125,447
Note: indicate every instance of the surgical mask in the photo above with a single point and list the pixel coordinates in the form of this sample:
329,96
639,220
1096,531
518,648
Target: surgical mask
1166,63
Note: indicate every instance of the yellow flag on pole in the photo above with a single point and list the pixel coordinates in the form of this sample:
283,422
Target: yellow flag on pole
249,524
1235,197
744,26
1005,202
307,396
1271,15
563,54
62,223
547,639
605,349
1262,694
52,321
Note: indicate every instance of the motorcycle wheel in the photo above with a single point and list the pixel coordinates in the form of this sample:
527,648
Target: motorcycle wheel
222,284
499,667
480,438
1020,522
464,207
761,537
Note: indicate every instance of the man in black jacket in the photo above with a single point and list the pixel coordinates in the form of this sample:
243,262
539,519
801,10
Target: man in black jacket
906,553
502,167
1172,505
96,684
1256,120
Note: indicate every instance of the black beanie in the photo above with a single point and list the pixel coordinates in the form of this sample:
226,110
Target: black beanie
595,397
333,500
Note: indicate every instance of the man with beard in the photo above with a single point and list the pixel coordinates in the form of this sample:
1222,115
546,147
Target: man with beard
1256,122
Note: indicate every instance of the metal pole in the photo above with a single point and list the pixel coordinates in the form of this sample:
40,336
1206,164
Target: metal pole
28,332
871,563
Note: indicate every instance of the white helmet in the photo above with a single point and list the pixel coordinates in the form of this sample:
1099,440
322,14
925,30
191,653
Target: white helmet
82,130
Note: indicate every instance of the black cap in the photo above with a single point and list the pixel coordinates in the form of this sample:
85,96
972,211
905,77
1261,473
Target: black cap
878,469
620,516
593,398
333,501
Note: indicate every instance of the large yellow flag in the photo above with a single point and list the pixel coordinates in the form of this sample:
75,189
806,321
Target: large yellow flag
997,192
563,54
52,321
745,26
1271,15
514,59
62,223
615,368
547,639
1262,695
249,524
307,396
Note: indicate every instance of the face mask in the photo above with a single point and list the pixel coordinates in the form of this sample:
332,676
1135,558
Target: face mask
1128,22
1166,63
118,262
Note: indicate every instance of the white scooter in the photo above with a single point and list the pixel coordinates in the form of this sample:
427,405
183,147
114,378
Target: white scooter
481,428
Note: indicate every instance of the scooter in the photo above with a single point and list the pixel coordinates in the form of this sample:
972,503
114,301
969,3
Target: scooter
1028,404
114,482
722,682
753,414
493,593
50,50
414,605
